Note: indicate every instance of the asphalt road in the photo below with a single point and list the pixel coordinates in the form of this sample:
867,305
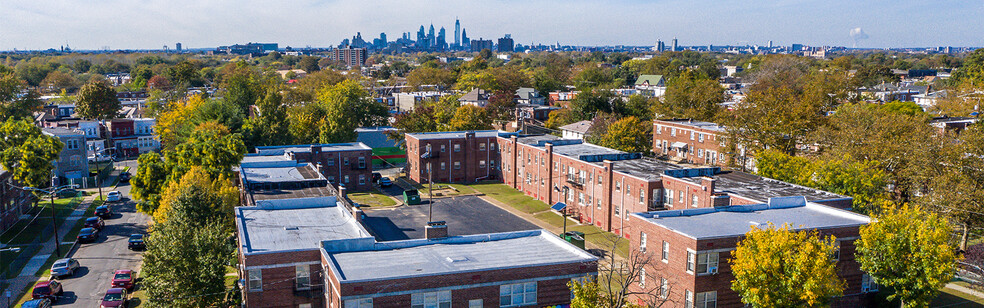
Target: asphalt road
464,216
109,253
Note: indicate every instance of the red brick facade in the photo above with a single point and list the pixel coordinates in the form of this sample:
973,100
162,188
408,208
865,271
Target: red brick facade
468,159
680,280
704,143
278,279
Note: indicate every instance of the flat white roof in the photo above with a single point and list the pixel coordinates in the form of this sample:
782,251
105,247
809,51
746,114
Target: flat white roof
413,258
294,224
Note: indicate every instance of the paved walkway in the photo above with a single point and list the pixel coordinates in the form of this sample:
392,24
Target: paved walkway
26,276
537,221
965,290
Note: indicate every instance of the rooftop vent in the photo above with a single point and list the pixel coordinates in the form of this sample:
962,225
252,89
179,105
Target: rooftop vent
290,228
457,259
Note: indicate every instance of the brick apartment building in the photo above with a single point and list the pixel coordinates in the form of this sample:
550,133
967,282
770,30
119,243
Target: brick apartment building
351,57
690,141
511,269
691,248
454,156
72,166
288,209
347,164
600,185
14,201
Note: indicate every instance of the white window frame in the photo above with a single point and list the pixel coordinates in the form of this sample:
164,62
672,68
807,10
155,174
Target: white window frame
440,299
706,299
868,284
523,291
688,299
710,260
457,165
691,261
481,146
302,277
358,303
642,241
475,303
362,179
457,147
664,288
255,280
666,252
642,277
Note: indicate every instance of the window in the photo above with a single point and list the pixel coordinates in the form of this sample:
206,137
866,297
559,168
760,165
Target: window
345,161
302,277
666,251
475,303
443,166
362,179
673,131
444,148
707,299
331,161
481,164
303,305
358,303
515,295
835,255
692,135
346,179
642,277
491,147
617,211
362,162
457,165
618,186
255,280
599,179
331,178
691,259
556,165
707,263
642,241
481,146
457,147
688,299
642,195
693,201
700,152
664,288
700,137
868,284
669,198
580,198
659,129
492,164
431,300
681,198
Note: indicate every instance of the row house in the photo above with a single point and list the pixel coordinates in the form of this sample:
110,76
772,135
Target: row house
14,201
690,249
71,167
342,164
446,157
690,141
601,186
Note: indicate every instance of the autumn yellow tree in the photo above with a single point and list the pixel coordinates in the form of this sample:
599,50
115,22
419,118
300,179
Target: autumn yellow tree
908,249
221,195
627,134
777,267
470,117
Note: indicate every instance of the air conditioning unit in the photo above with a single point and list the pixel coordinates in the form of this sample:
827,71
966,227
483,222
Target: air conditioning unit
713,270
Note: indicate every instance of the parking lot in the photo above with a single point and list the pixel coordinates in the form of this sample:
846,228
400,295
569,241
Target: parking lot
464,216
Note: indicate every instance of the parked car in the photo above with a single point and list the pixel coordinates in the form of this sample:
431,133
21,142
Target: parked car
385,182
50,289
68,193
94,222
124,177
37,303
115,297
376,176
87,235
104,211
64,267
114,196
99,158
136,242
124,279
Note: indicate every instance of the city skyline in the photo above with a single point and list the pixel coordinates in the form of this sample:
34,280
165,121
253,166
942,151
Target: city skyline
90,26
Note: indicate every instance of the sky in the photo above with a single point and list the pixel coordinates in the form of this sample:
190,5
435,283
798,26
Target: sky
151,24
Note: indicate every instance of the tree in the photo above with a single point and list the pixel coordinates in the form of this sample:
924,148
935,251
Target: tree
633,277
470,117
148,183
423,75
96,100
213,198
777,267
628,134
347,106
270,125
242,85
13,105
863,181
956,189
158,82
908,250
57,81
562,117
641,107
690,96
971,74
588,103
587,294
212,147
309,64
27,152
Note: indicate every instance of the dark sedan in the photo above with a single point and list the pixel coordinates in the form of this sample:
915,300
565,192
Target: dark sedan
88,235
94,222
104,211
136,242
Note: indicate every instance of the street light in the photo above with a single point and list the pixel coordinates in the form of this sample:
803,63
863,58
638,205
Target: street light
52,192
563,211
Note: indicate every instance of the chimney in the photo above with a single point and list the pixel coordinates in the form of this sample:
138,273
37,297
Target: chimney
321,169
358,214
436,230
315,152
341,191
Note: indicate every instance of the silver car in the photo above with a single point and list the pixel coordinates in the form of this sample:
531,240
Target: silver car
64,267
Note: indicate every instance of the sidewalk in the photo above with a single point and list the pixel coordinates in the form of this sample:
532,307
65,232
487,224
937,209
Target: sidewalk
536,221
965,290
26,276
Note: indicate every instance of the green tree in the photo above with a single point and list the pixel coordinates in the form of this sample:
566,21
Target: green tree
470,117
242,86
971,74
270,125
424,75
97,100
691,96
956,188
13,105
777,267
587,294
628,134
27,152
210,146
348,106
864,181
149,181
641,107
588,103
907,249
309,64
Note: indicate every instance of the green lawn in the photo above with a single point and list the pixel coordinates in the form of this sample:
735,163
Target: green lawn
63,207
373,198
552,218
511,197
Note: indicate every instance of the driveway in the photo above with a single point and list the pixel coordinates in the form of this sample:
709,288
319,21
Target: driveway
464,216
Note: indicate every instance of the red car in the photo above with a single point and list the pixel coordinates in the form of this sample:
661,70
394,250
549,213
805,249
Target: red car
114,298
124,279
94,222
50,289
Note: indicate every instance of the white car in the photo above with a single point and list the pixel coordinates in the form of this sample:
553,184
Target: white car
114,196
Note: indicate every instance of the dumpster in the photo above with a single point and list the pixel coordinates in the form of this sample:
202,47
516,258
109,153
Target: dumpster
575,237
411,197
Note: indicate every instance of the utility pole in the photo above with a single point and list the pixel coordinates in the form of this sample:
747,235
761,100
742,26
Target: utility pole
430,193
54,227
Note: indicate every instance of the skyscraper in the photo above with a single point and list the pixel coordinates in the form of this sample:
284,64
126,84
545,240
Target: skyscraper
660,46
177,47
442,41
464,39
674,44
457,33
506,44
431,37
421,37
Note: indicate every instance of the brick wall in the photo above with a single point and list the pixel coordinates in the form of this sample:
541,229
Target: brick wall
666,133
477,159
336,165
278,272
